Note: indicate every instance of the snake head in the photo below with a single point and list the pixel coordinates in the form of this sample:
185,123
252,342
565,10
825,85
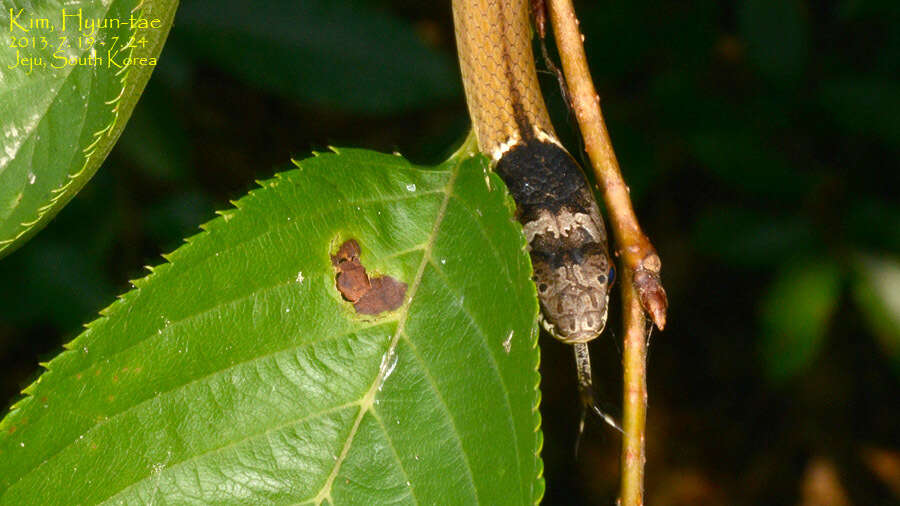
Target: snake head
574,295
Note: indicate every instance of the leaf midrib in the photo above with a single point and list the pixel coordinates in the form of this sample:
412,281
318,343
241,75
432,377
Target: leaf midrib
369,397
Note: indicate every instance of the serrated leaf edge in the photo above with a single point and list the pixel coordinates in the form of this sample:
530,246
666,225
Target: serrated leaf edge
75,181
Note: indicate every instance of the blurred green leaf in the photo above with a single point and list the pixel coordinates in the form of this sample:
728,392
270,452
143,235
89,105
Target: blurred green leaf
876,288
176,70
176,216
56,284
236,372
851,9
58,124
156,139
795,314
622,32
875,223
343,55
777,36
680,103
746,238
603,22
864,107
746,162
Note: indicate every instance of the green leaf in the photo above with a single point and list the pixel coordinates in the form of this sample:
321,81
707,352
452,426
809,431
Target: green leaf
60,118
862,107
236,372
795,315
752,239
877,293
341,55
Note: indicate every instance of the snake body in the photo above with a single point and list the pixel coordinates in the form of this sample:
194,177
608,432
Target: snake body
555,205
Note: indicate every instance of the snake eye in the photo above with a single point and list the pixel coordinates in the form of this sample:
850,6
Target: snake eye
612,275
542,287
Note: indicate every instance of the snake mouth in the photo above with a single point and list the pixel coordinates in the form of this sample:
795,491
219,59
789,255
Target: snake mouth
580,337
579,330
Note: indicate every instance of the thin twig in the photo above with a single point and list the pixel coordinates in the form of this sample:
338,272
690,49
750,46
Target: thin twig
641,283
634,365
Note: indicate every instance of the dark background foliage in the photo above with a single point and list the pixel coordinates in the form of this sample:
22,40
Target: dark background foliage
760,139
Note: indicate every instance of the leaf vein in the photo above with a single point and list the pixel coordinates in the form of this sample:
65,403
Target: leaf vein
231,444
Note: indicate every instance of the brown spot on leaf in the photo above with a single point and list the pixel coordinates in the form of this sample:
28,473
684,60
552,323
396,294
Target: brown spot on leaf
369,296
353,282
386,294
351,279
348,252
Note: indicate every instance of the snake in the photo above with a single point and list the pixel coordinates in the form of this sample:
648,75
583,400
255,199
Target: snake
562,223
